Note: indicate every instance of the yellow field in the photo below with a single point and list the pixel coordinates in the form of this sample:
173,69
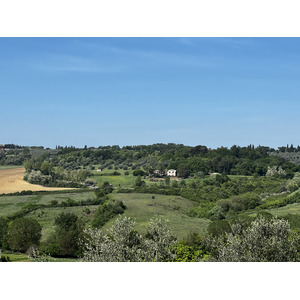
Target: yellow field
11,181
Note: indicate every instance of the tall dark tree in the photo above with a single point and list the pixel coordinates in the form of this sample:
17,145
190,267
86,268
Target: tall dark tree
3,230
24,233
183,171
68,232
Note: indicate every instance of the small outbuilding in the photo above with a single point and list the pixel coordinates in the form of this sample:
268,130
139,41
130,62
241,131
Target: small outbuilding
171,172
159,172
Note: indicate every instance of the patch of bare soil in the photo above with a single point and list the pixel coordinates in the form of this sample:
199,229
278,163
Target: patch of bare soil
11,181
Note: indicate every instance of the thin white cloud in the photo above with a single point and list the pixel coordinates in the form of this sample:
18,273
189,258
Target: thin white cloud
237,43
156,57
69,63
187,41
121,59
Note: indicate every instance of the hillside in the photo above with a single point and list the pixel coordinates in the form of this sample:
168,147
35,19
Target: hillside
142,207
212,190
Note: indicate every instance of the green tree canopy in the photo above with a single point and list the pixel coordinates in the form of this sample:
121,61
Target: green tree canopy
46,168
64,242
24,233
3,230
263,241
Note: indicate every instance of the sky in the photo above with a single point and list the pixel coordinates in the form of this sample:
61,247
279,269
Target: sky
140,91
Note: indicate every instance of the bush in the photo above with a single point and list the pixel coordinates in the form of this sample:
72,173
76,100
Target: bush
123,244
240,202
107,211
263,240
138,173
90,182
139,182
54,203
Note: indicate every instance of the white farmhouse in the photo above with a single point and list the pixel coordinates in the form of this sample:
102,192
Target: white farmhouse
99,170
171,172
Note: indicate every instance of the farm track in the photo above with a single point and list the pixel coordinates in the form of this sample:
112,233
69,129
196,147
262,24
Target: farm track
11,181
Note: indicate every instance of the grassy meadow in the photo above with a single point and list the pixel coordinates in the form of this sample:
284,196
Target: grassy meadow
142,207
285,210
16,257
46,216
12,204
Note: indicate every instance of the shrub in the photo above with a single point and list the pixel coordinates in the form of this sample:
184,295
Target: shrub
54,203
263,240
107,211
138,173
123,244
90,182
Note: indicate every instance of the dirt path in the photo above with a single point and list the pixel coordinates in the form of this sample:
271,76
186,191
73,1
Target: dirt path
11,181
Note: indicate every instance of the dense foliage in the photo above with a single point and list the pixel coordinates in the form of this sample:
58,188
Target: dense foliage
24,233
122,243
106,211
3,231
262,241
64,242
186,159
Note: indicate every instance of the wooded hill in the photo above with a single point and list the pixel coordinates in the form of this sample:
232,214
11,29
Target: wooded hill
187,160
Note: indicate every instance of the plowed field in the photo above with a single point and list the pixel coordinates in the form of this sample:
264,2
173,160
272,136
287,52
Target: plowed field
11,181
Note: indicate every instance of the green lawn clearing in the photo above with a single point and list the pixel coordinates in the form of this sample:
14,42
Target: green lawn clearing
143,207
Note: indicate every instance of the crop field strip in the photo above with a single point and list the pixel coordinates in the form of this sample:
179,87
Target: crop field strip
11,181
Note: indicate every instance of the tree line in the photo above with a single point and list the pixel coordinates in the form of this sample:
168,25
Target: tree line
251,239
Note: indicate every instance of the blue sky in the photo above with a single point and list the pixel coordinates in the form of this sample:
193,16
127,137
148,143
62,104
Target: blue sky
132,91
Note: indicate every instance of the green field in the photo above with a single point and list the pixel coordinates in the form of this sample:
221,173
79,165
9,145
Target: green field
21,257
140,206
16,257
173,208
285,210
12,204
9,167
46,216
